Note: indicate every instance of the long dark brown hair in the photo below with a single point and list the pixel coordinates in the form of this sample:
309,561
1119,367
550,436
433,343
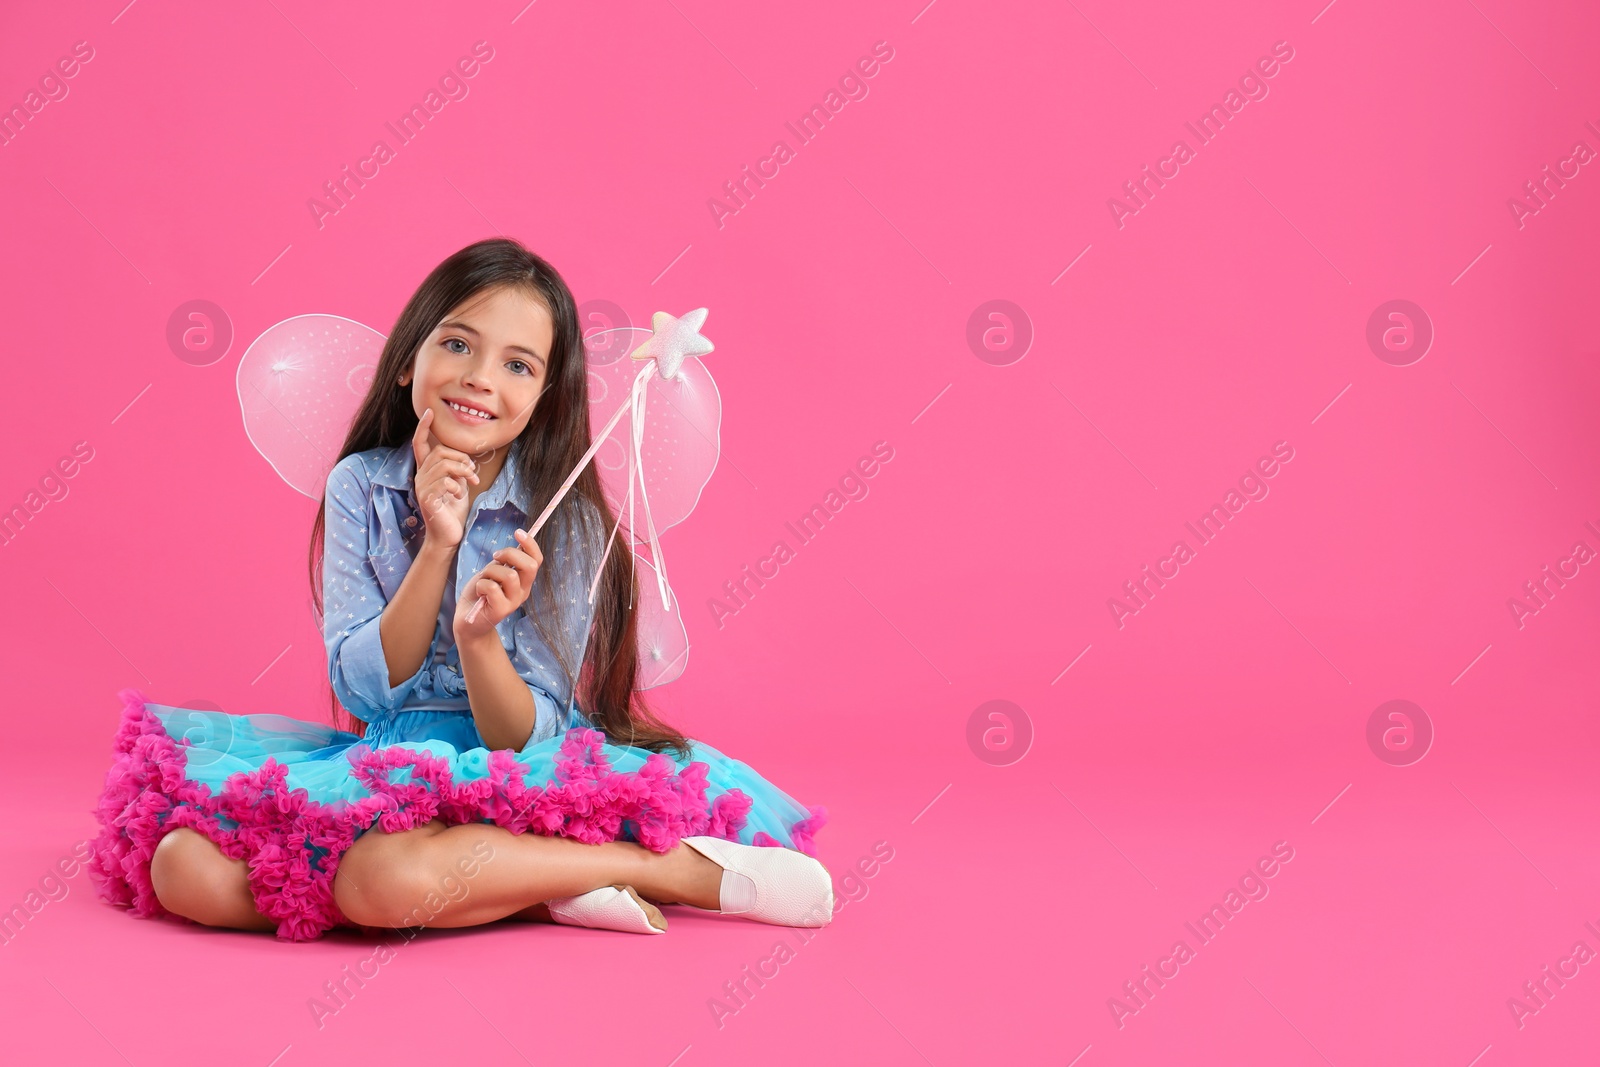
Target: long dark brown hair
556,437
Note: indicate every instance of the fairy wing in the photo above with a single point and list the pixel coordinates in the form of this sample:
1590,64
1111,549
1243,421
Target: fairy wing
682,431
653,471
301,381
663,639
299,384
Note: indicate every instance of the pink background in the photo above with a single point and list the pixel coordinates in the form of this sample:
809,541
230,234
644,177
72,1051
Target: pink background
1228,314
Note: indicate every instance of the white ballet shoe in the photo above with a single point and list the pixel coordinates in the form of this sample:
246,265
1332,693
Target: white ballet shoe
771,885
611,907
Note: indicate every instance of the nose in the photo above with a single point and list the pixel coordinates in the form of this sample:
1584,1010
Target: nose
477,375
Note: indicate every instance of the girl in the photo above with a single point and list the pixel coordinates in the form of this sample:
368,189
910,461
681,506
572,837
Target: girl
499,768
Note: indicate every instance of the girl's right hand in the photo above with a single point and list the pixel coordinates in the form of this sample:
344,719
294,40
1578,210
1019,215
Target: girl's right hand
440,484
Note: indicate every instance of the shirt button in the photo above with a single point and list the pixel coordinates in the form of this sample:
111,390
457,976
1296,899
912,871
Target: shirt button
412,521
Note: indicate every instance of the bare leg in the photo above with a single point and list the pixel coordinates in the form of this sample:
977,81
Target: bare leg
473,873
194,879
420,877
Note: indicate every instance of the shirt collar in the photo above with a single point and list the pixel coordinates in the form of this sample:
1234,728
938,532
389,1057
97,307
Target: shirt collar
398,468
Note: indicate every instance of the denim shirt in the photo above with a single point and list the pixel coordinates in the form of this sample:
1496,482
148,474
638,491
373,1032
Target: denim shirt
373,532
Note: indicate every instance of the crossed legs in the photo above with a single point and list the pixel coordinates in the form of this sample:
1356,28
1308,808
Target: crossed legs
436,875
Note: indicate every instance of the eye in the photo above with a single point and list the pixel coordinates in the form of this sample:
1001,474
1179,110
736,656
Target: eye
448,341
520,363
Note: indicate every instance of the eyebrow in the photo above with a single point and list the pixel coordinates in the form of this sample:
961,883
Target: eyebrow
454,324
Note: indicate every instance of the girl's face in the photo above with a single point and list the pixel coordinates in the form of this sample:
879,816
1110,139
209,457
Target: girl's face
490,355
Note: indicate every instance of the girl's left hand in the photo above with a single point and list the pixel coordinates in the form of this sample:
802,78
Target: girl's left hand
504,583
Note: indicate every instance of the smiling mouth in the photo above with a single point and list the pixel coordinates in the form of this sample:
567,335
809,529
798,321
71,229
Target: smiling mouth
470,413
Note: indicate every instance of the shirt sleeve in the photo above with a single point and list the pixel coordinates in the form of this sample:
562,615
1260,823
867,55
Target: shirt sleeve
547,717
353,602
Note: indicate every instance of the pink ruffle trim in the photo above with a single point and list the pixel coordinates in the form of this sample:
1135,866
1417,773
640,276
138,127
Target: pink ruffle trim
293,843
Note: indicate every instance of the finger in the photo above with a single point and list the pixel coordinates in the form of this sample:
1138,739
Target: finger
448,492
515,582
504,575
517,560
438,468
530,546
441,494
438,503
499,574
463,469
491,591
510,580
522,564
443,452
419,439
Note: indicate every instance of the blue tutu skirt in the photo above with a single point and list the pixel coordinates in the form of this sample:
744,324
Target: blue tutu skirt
289,796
